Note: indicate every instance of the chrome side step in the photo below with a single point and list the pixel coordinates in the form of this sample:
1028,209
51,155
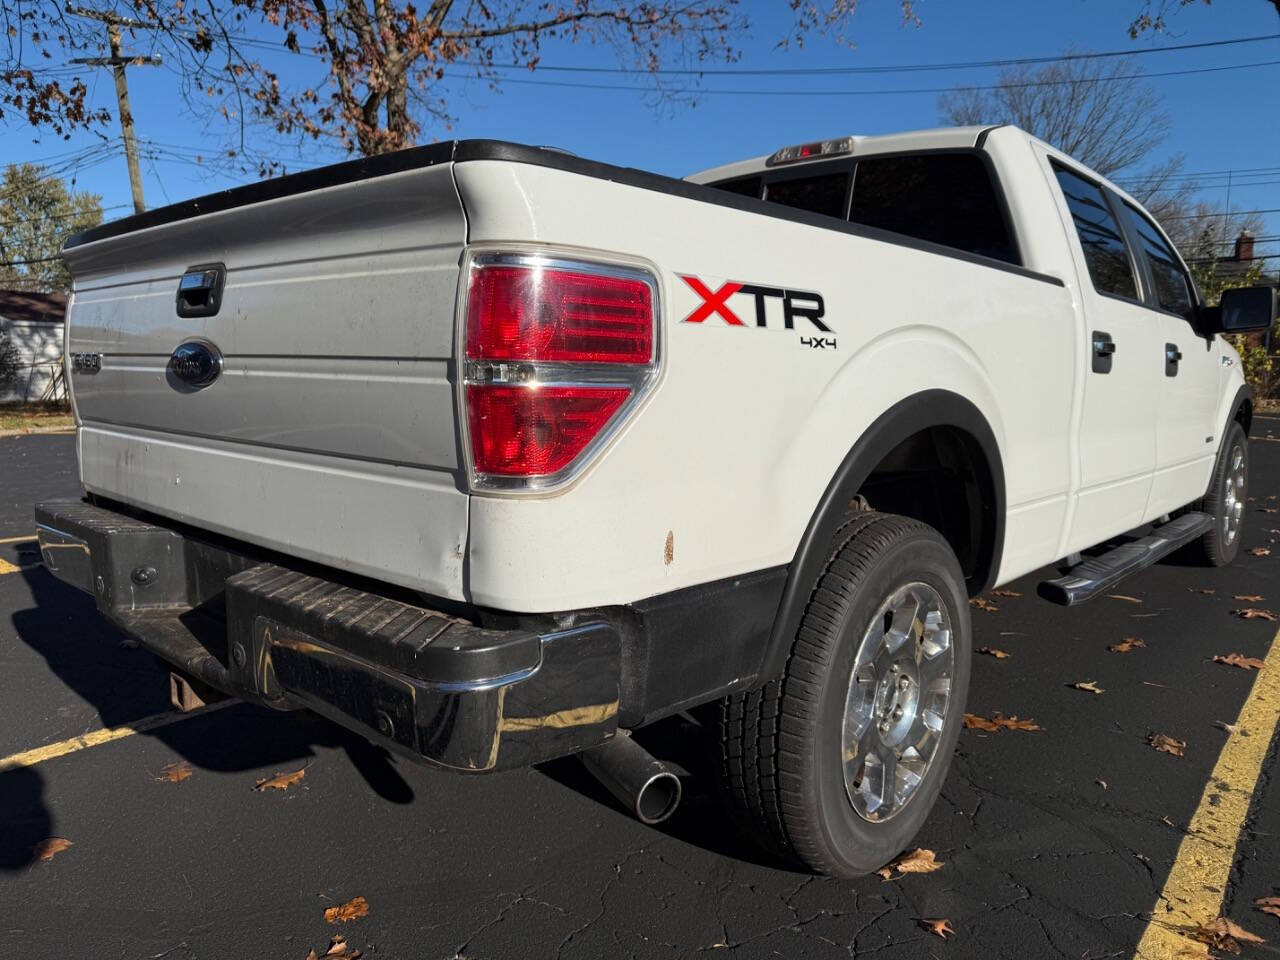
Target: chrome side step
1096,574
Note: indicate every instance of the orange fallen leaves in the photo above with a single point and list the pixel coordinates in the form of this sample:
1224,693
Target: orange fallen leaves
1005,593
46,850
1269,905
993,652
1124,597
1223,934
941,927
1167,744
1261,551
1255,613
353,909
281,781
1248,598
983,604
1240,660
175,772
998,721
914,861
1127,644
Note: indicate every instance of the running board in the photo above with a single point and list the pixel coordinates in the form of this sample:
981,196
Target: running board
1088,579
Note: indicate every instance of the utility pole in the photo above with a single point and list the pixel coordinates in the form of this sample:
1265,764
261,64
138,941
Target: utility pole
117,62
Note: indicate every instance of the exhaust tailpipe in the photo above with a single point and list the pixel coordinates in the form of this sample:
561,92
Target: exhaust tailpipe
646,786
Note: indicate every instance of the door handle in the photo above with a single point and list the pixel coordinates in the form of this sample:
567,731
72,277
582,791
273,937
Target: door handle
1171,357
1103,350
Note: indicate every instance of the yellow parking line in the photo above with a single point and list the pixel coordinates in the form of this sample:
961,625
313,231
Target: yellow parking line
1197,883
21,539
7,567
29,758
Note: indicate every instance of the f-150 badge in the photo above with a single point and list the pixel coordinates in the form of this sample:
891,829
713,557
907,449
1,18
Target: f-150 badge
794,304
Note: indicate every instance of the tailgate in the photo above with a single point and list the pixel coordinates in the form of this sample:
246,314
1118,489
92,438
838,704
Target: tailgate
331,430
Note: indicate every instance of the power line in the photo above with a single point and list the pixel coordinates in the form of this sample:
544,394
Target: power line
868,93
24,263
899,68
55,216
1228,213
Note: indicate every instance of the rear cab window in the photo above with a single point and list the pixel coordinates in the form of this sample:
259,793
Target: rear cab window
946,197
1101,237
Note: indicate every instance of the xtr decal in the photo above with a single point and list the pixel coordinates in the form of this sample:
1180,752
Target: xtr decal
795,304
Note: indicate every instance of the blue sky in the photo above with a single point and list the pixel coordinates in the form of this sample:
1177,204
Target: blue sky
1221,121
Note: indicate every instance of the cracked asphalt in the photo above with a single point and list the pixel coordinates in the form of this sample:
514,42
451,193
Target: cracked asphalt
1056,843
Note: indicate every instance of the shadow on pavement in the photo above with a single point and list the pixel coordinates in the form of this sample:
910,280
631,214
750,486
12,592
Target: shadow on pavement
84,652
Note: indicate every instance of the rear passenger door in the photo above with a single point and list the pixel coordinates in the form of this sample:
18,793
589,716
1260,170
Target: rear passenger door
1122,365
1187,398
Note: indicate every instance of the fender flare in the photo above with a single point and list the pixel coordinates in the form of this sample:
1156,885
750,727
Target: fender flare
909,416
1243,398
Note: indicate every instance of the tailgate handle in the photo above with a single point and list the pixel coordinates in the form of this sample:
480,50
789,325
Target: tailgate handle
200,290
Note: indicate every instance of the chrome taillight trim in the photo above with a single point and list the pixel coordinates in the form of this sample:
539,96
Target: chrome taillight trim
640,379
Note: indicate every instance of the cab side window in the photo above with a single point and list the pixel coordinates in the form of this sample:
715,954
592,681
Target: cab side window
1101,238
945,198
1172,286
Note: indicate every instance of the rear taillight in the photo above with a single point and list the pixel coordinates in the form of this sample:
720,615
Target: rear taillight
556,352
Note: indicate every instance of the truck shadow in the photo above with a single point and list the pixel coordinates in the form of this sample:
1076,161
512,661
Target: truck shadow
123,683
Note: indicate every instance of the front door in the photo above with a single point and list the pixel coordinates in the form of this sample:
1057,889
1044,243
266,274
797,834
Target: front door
1187,399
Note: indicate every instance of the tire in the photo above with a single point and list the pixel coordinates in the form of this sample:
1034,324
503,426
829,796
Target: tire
1226,501
782,747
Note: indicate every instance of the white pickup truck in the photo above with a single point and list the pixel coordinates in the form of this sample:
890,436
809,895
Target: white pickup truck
495,454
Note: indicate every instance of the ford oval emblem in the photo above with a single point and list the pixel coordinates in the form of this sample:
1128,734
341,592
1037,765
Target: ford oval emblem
196,363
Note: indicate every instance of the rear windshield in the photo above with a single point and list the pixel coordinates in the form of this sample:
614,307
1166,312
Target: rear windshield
947,198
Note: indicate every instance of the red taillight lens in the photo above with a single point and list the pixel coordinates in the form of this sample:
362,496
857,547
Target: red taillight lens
558,316
530,431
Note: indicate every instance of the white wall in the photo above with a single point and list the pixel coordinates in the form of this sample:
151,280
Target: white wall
40,348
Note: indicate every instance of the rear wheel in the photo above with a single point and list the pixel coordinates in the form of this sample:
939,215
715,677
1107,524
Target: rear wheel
1226,500
838,763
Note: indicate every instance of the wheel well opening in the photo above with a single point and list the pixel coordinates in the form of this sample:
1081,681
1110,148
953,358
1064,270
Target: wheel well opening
1244,416
941,477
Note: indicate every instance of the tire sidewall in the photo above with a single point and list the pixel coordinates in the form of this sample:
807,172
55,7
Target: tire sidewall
856,844
1221,552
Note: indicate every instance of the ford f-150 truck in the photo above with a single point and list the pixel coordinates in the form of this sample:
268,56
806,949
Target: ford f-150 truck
495,454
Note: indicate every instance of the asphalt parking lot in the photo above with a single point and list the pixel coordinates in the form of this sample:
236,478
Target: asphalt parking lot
1065,841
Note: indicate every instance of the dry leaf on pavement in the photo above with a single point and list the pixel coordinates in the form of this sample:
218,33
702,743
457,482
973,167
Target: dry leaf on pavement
1208,591
1261,551
46,850
993,652
175,772
353,909
982,603
1005,593
1121,596
1223,934
998,721
1248,598
1127,644
281,781
1088,685
1241,661
915,861
941,927
1269,905
337,948
1254,613
1167,744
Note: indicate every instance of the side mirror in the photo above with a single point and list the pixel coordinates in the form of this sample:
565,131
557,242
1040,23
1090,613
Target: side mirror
1242,309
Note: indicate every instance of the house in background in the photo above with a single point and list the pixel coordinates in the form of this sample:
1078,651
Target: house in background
1244,260
34,323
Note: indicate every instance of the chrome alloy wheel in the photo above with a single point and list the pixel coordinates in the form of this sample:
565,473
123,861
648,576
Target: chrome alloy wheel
1233,496
899,693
